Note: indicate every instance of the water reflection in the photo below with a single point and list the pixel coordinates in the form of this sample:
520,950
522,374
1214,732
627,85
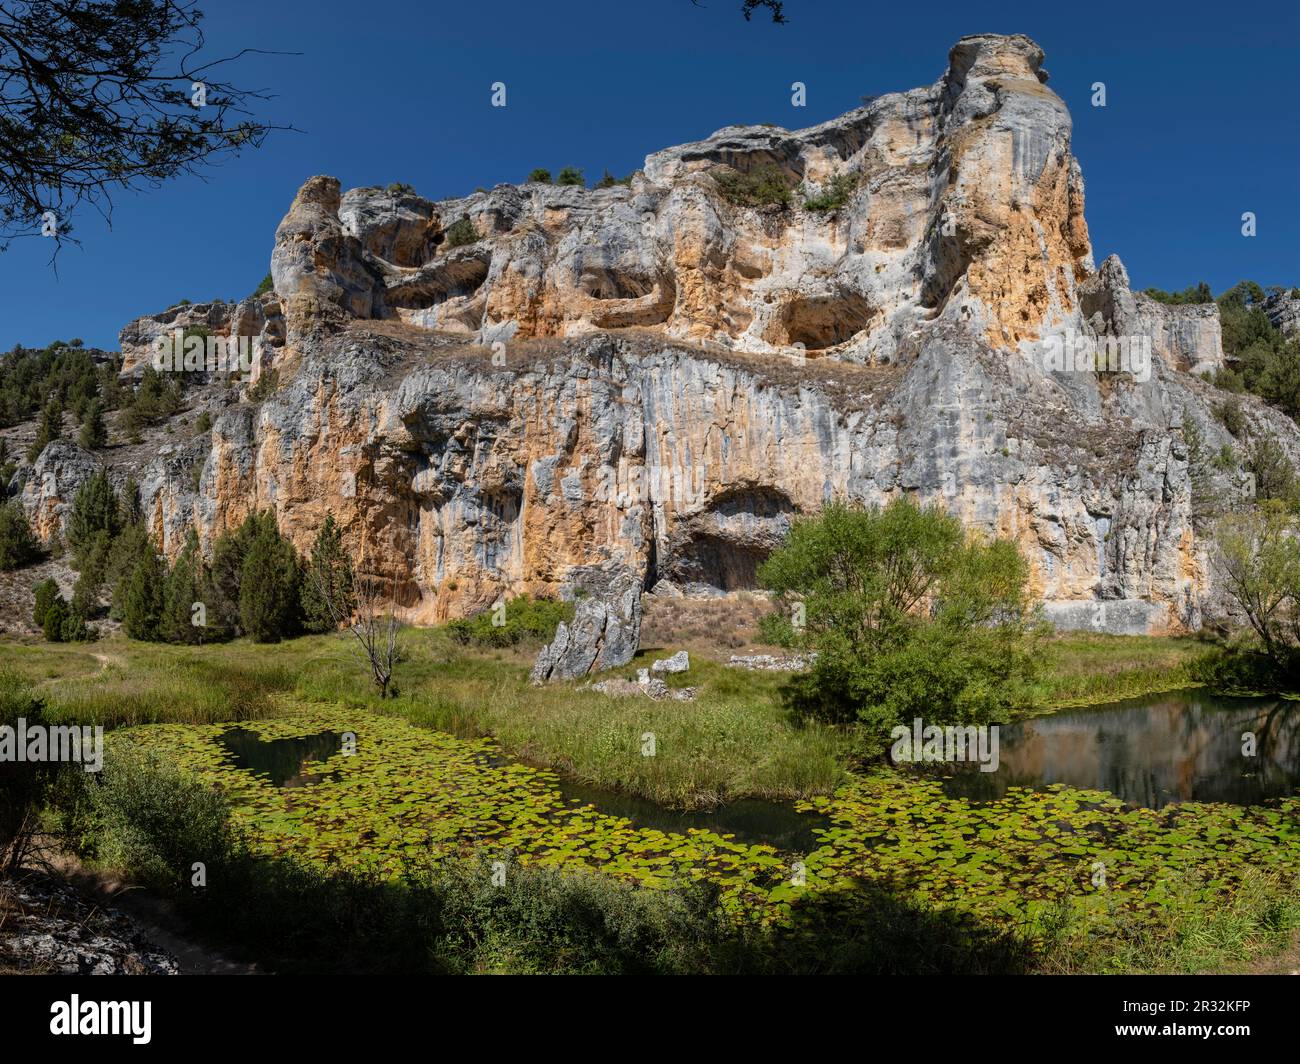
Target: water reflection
283,761
1178,747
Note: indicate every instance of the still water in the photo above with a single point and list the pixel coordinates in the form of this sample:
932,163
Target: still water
1177,747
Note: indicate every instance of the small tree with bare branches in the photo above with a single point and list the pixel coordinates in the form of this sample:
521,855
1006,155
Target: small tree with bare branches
367,613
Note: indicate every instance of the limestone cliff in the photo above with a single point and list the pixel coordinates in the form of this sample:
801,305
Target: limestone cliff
653,379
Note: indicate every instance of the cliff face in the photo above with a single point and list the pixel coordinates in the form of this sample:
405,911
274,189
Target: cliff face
651,379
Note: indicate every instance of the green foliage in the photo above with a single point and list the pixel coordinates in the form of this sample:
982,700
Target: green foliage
95,510
909,616
156,398
267,383
142,607
764,186
460,233
571,175
1199,293
1261,562
49,430
540,176
835,193
525,618
1274,475
608,180
269,585
1230,414
203,423
94,431
327,596
30,379
47,593
154,821
401,188
18,547
183,588
267,285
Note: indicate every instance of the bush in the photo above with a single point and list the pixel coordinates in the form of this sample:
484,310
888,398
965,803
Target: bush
540,176
154,822
835,193
571,175
910,616
267,285
18,547
764,186
525,618
460,233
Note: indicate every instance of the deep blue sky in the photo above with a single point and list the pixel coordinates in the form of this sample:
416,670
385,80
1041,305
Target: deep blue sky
1201,124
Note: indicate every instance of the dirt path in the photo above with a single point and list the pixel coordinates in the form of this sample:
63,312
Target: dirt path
156,918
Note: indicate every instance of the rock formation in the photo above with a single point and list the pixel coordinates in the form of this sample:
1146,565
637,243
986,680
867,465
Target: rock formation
514,390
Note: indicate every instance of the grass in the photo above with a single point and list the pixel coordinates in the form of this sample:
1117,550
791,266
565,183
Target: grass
734,739
1086,668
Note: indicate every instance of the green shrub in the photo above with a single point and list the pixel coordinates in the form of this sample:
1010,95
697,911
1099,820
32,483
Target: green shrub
764,186
835,193
401,188
154,822
460,233
525,618
571,175
540,176
47,593
910,616
267,285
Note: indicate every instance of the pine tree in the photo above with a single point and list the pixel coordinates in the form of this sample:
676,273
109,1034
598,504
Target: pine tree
327,596
268,586
183,589
18,546
94,431
95,509
142,612
47,592
49,430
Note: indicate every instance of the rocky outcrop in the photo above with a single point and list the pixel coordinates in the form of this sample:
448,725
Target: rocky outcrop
653,380
255,319
47,487
1283,310
606,626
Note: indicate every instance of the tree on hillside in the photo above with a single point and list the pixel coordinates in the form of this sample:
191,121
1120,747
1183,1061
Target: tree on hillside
184,589
98,96
18,547
910,616
94,431
95,510
49,430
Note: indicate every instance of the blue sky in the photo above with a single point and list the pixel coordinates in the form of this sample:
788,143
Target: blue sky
1201,124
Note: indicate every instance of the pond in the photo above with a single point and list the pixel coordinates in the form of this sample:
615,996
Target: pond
294,761
1184,746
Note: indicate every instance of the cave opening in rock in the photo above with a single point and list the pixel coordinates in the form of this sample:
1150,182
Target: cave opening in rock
821,322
